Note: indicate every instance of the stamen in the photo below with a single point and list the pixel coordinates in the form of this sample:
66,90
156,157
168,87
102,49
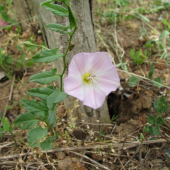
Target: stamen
91,78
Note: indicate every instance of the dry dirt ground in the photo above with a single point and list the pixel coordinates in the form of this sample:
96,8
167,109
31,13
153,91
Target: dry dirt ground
121,144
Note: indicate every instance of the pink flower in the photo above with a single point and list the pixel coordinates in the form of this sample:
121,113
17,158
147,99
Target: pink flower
3,23
91,77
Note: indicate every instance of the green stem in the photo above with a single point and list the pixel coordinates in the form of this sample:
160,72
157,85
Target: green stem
64,58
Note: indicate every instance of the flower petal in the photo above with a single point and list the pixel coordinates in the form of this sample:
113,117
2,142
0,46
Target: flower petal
93,96
88,61
108,80
104,62
74,69
74,87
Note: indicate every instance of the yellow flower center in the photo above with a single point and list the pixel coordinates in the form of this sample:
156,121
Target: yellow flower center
88,78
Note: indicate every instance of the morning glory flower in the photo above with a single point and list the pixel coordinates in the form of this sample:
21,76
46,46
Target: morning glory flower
91,77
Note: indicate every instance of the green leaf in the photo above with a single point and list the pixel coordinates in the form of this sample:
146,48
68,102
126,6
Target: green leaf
29,43
34,107
6,124
133,81
47,56
151,71
52,115
31,46
6,17
160,105
146,129
155,130
166,23
23,58
42,93
7,60
56,9
141,136
164,34
72,18
66,2
128,17
158,79
142,17
56,97
51,87
56,134
44,101
36,134
29,63
26,121
160,120
137,56
45,77
58,28
1,132
47,2
1,115
46,145
151,120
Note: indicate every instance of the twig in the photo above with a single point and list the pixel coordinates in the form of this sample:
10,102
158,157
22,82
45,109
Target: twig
24,163
146,155
91,160
131,158
103,124
3,146
113,129
140,154
88,163
120,162
49,161
117,145
141,77
112,154
10,96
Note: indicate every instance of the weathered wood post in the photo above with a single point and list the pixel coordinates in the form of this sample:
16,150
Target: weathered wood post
24,10
84,41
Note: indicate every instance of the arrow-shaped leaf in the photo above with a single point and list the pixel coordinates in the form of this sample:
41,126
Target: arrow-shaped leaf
52,115
58,28
35,135
34,107
46,145
47,56
56,97
42,93
46,2
56,9
72,18
6,124
45,77
26,121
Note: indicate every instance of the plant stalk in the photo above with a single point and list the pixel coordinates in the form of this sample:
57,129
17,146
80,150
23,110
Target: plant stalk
64,58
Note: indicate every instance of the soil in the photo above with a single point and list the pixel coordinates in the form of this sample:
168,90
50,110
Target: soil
128,106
